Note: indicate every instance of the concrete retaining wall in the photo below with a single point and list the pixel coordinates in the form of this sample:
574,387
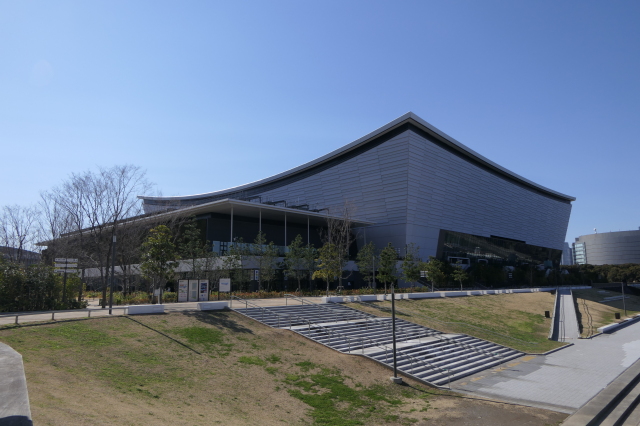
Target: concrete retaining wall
145,309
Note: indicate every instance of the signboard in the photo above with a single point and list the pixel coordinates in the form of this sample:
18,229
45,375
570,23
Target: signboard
204,290
256,274
183,288
225,285
65,265
68,271
66,260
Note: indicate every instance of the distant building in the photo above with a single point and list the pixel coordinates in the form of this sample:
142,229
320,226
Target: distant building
25,257
608,248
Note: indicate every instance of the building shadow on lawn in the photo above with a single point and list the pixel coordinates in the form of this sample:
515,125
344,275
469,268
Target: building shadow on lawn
219,320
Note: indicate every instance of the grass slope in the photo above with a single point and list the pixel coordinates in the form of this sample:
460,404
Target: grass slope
198,368
515,320
598,311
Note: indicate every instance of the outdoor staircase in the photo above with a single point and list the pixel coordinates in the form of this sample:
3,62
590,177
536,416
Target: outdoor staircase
422,353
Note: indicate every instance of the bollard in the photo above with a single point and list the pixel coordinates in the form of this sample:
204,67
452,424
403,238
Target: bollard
547,314
617,315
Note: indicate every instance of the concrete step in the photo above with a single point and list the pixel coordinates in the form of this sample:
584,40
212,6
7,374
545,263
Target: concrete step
423,352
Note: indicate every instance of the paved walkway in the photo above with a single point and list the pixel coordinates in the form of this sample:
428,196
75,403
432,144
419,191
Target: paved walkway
14,398
96,311
564,380
568,329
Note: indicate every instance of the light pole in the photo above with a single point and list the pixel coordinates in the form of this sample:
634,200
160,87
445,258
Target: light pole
395,378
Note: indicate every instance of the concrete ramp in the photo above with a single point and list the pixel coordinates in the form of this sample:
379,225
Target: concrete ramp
566,317
14,398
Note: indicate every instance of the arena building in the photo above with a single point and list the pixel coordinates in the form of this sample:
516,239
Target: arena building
608,248
406,182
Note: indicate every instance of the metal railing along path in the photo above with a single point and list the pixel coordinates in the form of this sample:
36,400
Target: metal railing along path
17,315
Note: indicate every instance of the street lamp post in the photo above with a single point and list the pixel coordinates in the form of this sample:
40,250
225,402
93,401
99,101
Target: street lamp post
395,378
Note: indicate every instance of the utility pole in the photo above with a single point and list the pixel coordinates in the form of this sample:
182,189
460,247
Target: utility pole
113,278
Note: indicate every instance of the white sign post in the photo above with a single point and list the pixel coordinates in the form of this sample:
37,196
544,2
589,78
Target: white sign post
65,266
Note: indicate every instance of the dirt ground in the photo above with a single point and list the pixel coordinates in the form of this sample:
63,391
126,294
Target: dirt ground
595,311
516,320
223,368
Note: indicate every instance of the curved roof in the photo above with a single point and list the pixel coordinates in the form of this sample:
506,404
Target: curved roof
409,118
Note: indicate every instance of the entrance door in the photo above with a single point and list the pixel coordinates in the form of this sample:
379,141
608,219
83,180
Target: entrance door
193,290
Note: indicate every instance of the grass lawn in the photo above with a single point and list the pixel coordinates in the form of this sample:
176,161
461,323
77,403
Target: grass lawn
199,368
515,320
595,311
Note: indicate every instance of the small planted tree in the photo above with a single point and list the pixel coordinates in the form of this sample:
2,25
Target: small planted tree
294,261
233,264
310,257
459,274
436,271
366,260
329,264
264,256
387,268
158,256
411,264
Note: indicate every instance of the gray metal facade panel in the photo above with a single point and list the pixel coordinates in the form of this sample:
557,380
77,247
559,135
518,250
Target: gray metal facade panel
412,188
475,201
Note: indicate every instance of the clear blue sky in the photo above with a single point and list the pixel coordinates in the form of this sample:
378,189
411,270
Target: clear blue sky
207,95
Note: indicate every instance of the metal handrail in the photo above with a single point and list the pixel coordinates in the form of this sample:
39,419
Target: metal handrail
286,296
369,320
53,313
331,333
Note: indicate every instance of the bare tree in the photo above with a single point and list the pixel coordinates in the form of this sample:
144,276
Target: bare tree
340,235
18,230
95,206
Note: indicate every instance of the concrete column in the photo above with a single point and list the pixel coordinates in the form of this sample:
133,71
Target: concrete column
231,224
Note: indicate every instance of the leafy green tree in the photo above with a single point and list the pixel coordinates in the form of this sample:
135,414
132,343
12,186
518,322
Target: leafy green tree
387,266
159,256
294,261
436,271
459,274
310,261
329,264
411,264
366,260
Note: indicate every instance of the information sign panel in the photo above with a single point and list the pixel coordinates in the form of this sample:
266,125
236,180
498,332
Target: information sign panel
65,265
204,290
68,271
183,288
65,260
225,285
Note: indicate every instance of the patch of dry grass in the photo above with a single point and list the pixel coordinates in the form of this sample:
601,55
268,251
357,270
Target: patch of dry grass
197,368
594,311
